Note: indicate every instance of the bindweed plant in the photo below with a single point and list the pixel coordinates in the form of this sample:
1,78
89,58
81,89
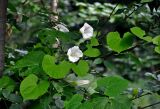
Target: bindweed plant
67,69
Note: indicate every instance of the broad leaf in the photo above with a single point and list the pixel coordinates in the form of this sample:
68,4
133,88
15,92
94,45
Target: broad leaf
100,103
120,102
112,85
30,89
118,44
81,69
7,83
53,70
33,59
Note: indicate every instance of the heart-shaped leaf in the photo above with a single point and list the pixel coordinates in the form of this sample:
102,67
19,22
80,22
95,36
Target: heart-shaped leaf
141,33
112,85
30,89
118,44
53,70
92,52
81,69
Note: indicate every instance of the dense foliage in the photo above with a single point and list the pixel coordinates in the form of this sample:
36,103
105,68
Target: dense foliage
98,55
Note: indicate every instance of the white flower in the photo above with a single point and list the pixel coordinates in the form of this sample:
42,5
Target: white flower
87,31
82,82
150,75
74,54
61,28
21,52
56,44
158,77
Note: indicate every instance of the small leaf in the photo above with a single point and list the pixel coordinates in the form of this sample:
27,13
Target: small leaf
81,69
30,89
97,61
138,32
92,52
53,70
157,49
94,42
156,40
112,85
141,34
146,1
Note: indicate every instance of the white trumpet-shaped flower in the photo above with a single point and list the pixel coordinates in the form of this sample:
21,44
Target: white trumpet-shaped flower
158,77
61,28
87,31
82,82
74,54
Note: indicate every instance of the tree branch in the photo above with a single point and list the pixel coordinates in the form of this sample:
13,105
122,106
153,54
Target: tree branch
3,11
54,6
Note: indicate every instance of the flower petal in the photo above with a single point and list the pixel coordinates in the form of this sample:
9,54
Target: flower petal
61,28
74,54
87,31
73,59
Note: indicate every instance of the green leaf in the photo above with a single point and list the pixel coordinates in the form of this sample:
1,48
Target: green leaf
147,38
30,89
53,70
138,32
87,105
7,83
48,36
121,102
146,1
74,102
58,87
156,40
92,52
119,11
94,42
81,69
100,103
97,61
141,33
135,59
118,44
34,58
112,85
11,96
157,49
31,70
